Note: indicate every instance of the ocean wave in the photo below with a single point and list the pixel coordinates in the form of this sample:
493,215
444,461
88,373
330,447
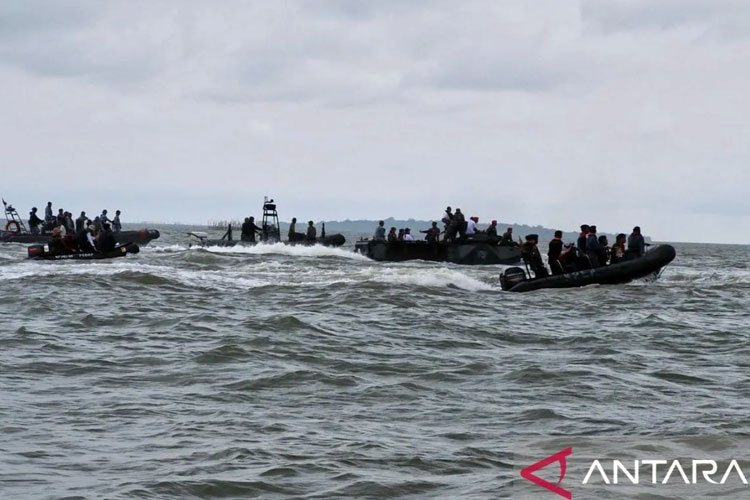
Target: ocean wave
289,250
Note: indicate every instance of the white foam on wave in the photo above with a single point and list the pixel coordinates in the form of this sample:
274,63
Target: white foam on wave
290,250
427,277
164,248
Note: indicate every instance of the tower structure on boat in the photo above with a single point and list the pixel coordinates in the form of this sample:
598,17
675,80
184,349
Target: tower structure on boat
270,222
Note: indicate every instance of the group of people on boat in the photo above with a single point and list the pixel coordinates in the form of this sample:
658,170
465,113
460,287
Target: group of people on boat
86,239
590,251
250,229
456,229
63,221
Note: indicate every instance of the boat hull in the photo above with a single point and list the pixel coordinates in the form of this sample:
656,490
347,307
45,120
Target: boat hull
121,251
333,240
467,253
142,237
614,274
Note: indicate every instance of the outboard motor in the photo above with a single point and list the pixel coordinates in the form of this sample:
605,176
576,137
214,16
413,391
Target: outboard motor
35,250
511,277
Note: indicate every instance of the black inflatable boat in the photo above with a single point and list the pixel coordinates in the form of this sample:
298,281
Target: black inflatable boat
37,252
514,279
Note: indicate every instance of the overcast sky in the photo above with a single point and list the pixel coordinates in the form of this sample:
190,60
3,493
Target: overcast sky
545,112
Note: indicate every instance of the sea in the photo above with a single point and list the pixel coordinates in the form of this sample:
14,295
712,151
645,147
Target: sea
314,373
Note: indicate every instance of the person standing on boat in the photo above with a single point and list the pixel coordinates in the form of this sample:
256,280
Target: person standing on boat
293,230
103,219
34,221
471,226
636,243
593,249
433,234
81,223
312,233
48,217
553,255
581,243
492,232
447,218
249,229
532,257
116,224
458,225
379,232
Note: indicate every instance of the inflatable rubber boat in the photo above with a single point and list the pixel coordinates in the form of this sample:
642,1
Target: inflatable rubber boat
515,279
470,252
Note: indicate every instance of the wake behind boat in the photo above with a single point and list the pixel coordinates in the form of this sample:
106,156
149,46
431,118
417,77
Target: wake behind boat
515,279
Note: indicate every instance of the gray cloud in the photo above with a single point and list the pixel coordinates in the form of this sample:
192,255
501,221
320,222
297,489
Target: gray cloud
541,112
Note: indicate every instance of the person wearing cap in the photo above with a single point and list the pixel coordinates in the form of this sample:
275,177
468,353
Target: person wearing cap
392,236
447,218
532,257
492,231
636,243
34,221
432,235
508,238
311,231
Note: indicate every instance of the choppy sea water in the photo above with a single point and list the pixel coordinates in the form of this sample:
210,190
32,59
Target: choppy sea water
290,372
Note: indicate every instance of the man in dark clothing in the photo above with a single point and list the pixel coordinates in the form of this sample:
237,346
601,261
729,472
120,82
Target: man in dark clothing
458,225
432,234
492,232
48,217
117,225
392,235
581,243
593,249
83,241
507,240
81,222
312,233
379,232
107,241
249,229
293,229
636,243
553,255
34,221
532,257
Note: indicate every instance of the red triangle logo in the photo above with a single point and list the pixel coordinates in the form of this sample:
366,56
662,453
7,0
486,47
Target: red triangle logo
559,457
